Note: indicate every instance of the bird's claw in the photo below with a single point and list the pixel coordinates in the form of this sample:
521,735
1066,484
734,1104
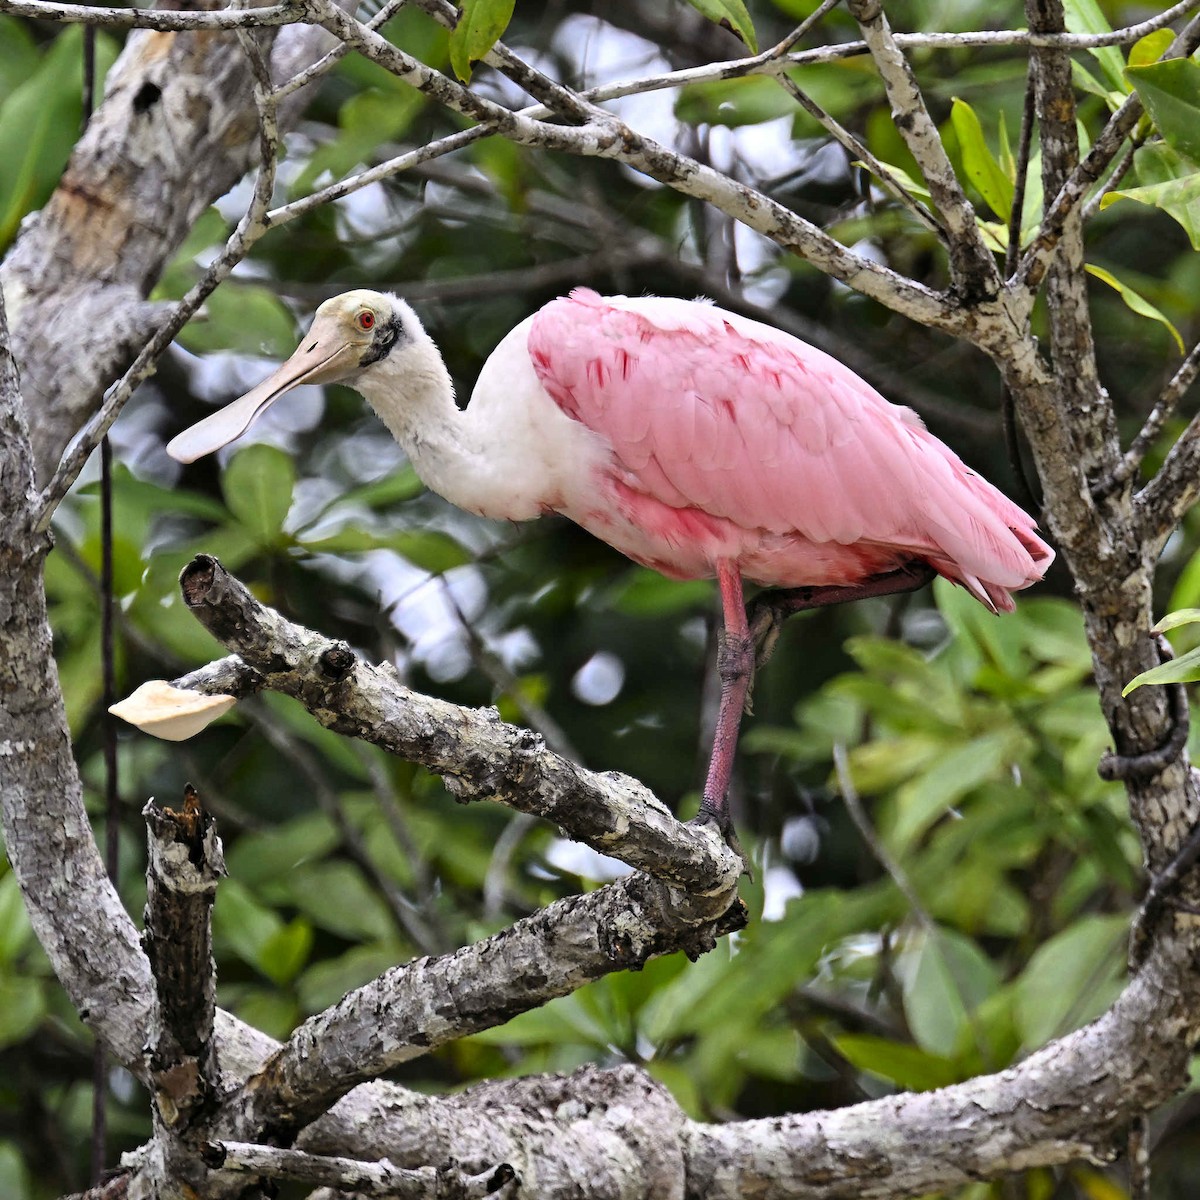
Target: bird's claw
721,819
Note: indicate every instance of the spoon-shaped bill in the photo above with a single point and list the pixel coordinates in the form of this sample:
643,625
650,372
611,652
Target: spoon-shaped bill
317,360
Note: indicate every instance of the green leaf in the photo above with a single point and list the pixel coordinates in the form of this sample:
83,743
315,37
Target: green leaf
1085,16
732,15
956,771
426,548
1150,48
945,977
282,956
1170,91
367,120
1139,304
327,981
22,1006
1184,669
1071,978
645,593
749,100
15,930
1173,620
393,488
981,166
910,1067
18,55
257,484
39,123
1170,182
258,858
246,318
269,1010
15,1182
241,923
481,24
336,897
1008,163
131,492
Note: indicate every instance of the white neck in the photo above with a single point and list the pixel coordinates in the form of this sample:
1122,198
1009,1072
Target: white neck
413,395
511,454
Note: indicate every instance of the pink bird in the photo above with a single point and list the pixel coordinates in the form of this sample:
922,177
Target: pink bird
694,441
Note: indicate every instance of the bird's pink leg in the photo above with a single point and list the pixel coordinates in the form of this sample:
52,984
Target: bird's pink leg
735,662
742,637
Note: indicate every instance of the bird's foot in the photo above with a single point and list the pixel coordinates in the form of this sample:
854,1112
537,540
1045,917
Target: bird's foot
718,815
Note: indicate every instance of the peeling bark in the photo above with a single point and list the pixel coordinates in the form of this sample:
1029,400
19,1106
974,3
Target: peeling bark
127,199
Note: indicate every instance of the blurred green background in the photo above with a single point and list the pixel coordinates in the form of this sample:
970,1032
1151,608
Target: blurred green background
972,740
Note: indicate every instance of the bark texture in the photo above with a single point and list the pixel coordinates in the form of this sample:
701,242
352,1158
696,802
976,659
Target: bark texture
131,191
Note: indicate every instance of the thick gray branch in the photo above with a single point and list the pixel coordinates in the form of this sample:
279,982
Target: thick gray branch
74,909
1088,410
363,1178
410,1010
477,754
185,865
1071,1100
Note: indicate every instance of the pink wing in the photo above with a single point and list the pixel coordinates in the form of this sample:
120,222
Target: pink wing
710,411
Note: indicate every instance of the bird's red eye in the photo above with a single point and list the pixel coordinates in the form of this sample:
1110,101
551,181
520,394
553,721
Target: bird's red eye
366,320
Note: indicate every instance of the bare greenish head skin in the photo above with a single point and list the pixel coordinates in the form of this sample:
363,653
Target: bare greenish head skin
348,333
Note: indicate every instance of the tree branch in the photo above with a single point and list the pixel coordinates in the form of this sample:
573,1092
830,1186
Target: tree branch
364,1178
185,865
606,137
249,229
972,265
477,754
411,1010
1175,487
1087,172
1086,404
128,196
73,906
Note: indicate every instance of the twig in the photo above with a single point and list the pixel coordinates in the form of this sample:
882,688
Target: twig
860,151
167,20
294,13
494,879
326,61
1088,171
783,48
380,1178
1137,1155
1163,410
971,262
607,137
1092,205
534,715
250,228
882,854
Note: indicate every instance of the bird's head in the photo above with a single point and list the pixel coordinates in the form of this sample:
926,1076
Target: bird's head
349,333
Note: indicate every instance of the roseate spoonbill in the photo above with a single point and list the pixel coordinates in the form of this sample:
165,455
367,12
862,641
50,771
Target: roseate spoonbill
693,440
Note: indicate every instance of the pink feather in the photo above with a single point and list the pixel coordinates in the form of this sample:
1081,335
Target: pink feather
731,441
